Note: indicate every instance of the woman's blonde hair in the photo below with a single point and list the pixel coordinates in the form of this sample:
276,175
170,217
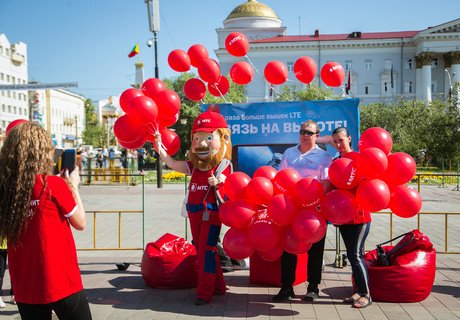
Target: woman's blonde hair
27,152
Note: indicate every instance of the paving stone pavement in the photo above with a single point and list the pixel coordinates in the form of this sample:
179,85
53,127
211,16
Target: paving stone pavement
115,294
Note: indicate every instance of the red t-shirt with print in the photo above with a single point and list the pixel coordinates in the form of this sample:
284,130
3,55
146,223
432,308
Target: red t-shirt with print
43,266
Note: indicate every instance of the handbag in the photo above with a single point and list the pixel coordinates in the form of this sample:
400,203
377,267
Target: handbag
410,241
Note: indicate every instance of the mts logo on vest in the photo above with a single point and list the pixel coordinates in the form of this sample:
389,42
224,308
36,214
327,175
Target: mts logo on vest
194,187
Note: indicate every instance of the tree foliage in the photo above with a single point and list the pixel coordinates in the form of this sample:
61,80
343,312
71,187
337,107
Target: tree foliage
417,127
94,132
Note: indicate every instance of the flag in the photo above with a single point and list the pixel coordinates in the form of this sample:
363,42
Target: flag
134,51
348,86
391,77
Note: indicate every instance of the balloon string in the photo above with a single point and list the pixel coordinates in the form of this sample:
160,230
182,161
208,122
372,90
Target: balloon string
153,129
221,95
252,64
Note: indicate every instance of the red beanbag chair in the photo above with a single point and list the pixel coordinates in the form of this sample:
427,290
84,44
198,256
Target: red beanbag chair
169,263
410,275
269,272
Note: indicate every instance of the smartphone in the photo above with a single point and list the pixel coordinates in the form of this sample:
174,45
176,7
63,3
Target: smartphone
68,160
64,159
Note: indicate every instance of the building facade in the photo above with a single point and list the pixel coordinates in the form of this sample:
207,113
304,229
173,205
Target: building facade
59,111
382,66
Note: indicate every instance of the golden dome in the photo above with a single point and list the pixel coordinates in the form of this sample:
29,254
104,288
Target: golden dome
252,8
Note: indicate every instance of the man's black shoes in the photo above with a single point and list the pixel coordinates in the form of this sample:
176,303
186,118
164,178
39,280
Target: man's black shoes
284,294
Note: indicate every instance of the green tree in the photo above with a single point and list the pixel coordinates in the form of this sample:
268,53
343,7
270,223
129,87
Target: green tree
310,92
93,133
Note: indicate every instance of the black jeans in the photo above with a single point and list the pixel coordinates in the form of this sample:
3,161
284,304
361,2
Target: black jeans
354,236
73,307
314,266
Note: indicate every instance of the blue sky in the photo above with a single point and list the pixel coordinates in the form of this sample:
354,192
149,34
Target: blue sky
88,41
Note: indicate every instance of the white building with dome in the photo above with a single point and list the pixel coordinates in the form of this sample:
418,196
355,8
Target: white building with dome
383,66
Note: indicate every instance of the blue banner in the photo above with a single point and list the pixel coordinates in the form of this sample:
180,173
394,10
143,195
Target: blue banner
261,131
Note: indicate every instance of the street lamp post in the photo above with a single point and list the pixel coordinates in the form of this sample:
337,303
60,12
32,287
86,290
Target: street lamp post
153,14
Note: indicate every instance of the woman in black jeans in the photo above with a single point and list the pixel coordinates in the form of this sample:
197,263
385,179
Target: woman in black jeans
354,234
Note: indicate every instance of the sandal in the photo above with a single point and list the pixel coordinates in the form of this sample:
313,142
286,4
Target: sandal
362,302
351,299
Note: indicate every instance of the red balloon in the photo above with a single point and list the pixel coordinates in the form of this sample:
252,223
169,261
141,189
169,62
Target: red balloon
263,233
276,72
179,60
332,74
167,121
353,155
285,180
294,245
282,209
237,213
237,44
405,201
236,244
305,69
197,52
339,206
241,72
259,191
220,88
401,168
127,95
373,195
209,70
235,184
168,103
374,163
13,124
151,87
142,109
265,171
194,89
309,225
139,142
273,254
376,137
127,129
170,140
344,173
308,191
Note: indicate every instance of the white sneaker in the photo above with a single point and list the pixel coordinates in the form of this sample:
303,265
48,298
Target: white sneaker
2,304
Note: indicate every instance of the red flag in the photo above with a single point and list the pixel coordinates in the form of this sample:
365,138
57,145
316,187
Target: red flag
348,87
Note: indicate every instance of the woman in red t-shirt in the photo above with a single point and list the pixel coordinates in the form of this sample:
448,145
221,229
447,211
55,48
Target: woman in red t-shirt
354,234
36,212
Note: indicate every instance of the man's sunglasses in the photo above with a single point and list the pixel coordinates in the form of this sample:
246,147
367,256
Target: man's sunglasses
304,132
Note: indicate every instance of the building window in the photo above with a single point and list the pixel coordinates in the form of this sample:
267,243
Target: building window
387,63
368,64
3,108
9,109
2,76
408,64
290,66
366,89
385,86
434,63
348,65
408,87
434,86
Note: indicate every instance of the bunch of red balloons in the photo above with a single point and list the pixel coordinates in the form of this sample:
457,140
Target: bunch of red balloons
147,111
272,212
372,179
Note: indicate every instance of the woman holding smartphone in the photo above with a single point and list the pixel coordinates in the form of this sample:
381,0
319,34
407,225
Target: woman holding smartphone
36,212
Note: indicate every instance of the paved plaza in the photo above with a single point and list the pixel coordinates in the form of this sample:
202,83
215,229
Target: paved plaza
115,294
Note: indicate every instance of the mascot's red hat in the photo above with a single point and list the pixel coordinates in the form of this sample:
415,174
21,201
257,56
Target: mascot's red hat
209,121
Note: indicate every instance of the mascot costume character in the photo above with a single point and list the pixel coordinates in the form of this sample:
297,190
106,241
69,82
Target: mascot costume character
210,146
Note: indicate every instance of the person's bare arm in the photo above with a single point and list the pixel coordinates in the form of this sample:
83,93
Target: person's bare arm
78,219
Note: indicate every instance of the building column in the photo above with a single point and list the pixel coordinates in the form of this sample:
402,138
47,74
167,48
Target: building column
418,79
425,59
455,69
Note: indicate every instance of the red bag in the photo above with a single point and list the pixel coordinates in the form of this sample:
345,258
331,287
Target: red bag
269,272
410,275
169,263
